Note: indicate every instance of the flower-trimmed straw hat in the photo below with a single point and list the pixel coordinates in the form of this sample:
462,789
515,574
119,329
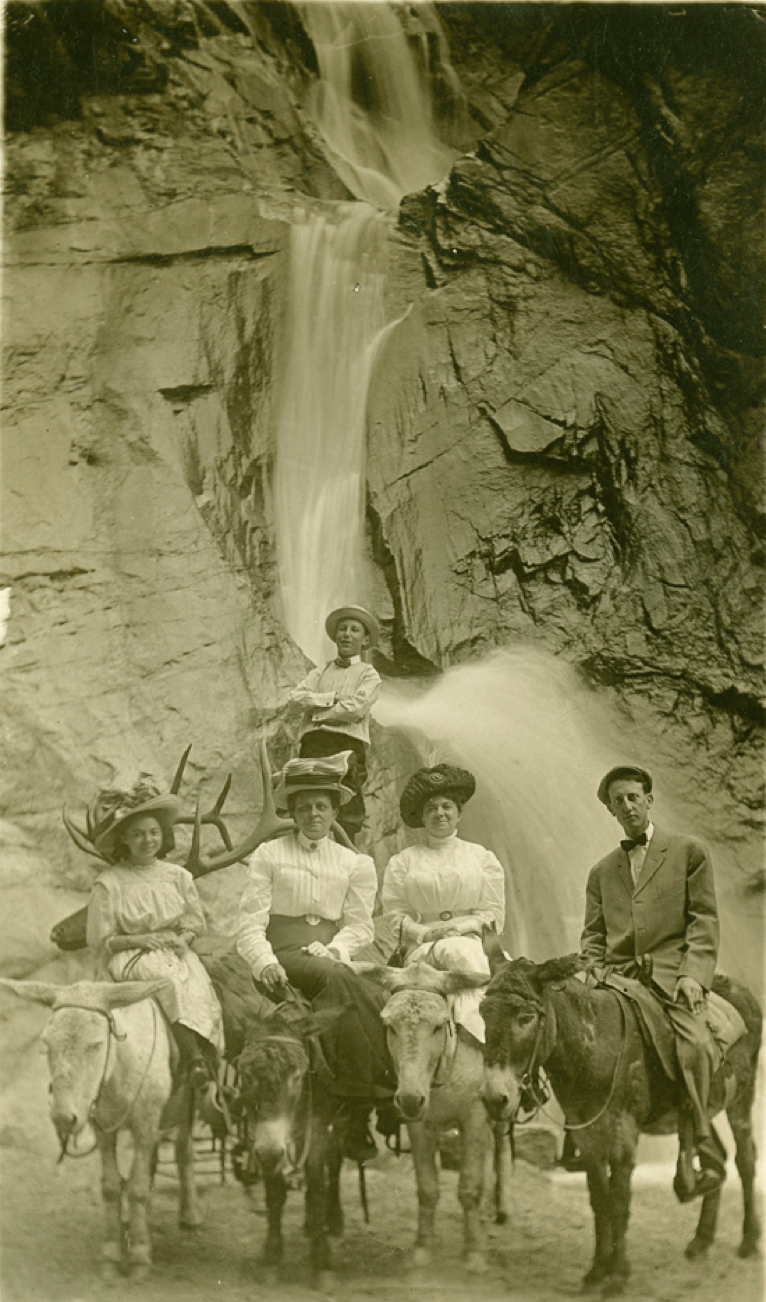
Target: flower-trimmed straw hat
114,808
353,612
636,771
324,774
441,780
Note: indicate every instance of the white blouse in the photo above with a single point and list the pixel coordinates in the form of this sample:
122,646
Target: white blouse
126,901
443,876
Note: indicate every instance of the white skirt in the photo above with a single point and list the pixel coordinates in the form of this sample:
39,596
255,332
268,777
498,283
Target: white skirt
459,954
190,997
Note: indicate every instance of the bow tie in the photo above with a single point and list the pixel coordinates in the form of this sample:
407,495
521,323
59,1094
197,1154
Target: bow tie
341,663
631,845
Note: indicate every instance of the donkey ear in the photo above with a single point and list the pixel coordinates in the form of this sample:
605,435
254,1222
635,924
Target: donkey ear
119,994
40,992
493,949
556,969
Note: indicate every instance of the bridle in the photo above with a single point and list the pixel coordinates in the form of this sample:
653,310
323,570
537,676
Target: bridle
112,1033
307,1094
532,1085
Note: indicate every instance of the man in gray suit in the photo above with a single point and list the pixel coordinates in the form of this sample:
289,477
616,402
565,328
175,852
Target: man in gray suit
654,898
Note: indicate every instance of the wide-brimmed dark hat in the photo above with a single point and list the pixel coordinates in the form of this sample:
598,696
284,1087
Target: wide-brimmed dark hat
441,780
353,612
323,774
636,771
113,809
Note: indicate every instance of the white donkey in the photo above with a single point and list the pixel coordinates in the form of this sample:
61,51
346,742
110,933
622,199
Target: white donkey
109,1054
440,1071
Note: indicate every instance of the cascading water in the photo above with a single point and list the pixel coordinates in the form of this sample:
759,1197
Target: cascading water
522,724
336,318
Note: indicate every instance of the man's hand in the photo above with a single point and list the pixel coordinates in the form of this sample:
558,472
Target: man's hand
274,979
689,991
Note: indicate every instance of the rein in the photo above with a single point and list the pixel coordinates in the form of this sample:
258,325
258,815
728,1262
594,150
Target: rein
529,1081
111,1031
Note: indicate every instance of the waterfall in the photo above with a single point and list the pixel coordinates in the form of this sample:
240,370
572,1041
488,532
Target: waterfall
335,323
371,105
524,726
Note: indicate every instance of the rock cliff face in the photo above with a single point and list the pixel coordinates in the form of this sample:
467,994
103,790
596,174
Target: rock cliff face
564,435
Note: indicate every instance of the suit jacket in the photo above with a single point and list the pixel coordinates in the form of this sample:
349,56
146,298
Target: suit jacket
671,915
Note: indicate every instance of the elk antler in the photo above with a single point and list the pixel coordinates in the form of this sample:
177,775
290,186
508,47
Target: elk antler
81,839
175,785
268,826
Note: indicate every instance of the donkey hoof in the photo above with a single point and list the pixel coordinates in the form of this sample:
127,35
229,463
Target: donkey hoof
476,1263
696,1248
110,1273
614,1286
191,1221
748,1248
594,1279
420,1257
325,1282
140,1273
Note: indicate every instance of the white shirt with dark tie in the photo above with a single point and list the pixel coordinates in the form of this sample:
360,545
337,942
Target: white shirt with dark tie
638,854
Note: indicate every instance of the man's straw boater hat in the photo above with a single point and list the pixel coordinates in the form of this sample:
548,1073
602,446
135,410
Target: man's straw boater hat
441,780
114,809
313,775
635,771
353,612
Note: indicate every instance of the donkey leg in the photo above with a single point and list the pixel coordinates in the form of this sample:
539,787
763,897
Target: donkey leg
742,1129
317,1201
621,1166
598,1192
139,1191
476,1149
423,1142
503,1171
111,1192
334,1209
276,1196
189,1212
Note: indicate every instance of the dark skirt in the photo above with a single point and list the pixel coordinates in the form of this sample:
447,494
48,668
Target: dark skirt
354,1045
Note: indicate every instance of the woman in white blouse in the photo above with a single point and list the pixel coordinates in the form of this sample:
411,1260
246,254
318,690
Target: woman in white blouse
440,893
144,914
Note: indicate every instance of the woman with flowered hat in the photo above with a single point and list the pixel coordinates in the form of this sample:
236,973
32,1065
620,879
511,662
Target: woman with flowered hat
440,893
144,914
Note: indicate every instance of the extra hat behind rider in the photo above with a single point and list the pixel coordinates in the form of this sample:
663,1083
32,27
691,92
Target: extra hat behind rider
441,780
114,809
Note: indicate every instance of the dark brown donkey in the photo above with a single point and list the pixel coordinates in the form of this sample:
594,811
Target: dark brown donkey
291,1129
611,1087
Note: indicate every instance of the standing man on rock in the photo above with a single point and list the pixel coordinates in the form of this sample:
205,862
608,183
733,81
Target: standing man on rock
336,701
654,898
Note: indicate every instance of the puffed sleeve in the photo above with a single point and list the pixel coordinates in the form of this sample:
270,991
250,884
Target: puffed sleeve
254,913
357,929
101,919
192,919
491,909
395,903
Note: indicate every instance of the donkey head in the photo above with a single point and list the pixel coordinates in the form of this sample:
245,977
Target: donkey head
77,1041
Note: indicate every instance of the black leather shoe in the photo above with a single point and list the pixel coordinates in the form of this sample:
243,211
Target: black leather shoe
199,1076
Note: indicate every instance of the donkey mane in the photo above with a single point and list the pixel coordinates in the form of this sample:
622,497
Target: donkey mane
265,1060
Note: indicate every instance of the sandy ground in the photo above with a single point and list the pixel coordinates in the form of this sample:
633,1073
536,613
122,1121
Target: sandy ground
51,1228
51,1225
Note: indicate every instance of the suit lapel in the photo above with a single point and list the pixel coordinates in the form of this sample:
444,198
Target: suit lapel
654,857
622,865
